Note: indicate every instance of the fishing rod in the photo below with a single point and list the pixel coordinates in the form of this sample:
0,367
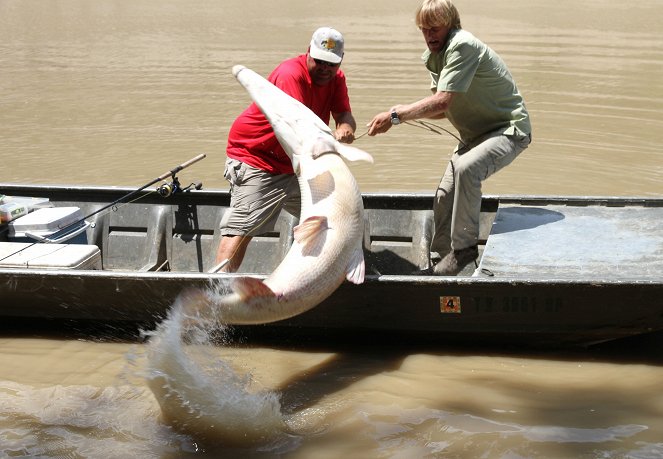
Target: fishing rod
165,190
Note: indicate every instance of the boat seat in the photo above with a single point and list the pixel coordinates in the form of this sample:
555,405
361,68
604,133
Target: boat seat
398,240
266,251
137,237
200,226
195,226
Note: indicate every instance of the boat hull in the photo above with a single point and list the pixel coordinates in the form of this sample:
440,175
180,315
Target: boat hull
476,307
475,311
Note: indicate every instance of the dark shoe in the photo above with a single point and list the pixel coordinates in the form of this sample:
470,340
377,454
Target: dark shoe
455,261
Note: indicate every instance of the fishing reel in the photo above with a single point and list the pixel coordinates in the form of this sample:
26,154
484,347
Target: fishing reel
168,189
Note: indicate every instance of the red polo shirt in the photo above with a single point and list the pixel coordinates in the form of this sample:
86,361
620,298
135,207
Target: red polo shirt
251,138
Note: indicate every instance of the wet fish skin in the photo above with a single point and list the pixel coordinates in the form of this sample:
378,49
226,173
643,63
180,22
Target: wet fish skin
328,242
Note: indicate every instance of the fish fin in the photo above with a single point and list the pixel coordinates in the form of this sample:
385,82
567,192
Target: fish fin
353,153
322,144
327,144
250,287
309,229
357,267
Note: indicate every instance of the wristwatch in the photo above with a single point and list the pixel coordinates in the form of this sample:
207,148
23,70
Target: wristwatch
394,118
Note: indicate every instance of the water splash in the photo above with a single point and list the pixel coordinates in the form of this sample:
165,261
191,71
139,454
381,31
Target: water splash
202,395
83,421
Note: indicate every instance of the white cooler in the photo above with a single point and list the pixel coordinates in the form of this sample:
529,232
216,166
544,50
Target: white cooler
49,256
43,223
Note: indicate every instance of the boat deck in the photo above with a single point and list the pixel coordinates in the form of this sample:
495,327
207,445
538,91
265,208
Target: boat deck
558,241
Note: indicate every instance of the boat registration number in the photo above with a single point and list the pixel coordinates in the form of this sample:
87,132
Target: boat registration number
450,305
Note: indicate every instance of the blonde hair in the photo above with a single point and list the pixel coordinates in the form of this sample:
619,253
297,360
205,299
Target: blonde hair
437,13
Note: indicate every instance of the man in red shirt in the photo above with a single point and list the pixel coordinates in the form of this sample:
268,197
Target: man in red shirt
262,181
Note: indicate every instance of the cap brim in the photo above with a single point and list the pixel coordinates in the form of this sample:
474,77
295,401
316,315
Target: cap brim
327,56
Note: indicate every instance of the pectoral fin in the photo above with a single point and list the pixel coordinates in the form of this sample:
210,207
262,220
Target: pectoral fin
353,153
356,267
309,229
327,144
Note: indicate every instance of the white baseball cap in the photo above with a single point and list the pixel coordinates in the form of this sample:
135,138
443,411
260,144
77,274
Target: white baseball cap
327,45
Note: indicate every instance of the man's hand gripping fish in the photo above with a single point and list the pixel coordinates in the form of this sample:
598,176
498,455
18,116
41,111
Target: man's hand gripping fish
328,241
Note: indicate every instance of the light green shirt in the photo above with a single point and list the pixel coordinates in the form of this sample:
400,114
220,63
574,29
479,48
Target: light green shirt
486,98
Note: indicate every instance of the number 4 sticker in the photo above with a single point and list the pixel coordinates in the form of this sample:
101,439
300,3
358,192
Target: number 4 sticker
450,304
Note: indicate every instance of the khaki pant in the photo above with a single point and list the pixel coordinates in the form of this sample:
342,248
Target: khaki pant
457,205
256,199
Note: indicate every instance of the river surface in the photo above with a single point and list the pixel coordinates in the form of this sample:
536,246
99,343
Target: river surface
118,92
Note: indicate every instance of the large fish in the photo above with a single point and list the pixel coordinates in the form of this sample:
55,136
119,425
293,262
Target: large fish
328,241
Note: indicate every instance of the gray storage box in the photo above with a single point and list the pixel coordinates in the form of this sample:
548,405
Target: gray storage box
43,223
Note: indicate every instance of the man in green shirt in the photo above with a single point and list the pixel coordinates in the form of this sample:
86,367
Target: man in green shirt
473,88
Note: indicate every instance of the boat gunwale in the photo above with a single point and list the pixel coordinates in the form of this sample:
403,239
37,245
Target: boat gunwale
369,278
584,200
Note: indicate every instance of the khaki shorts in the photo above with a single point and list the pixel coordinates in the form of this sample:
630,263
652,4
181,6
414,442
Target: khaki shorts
256,199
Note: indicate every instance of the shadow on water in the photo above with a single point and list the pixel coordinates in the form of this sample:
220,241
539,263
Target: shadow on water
307,388
389,350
